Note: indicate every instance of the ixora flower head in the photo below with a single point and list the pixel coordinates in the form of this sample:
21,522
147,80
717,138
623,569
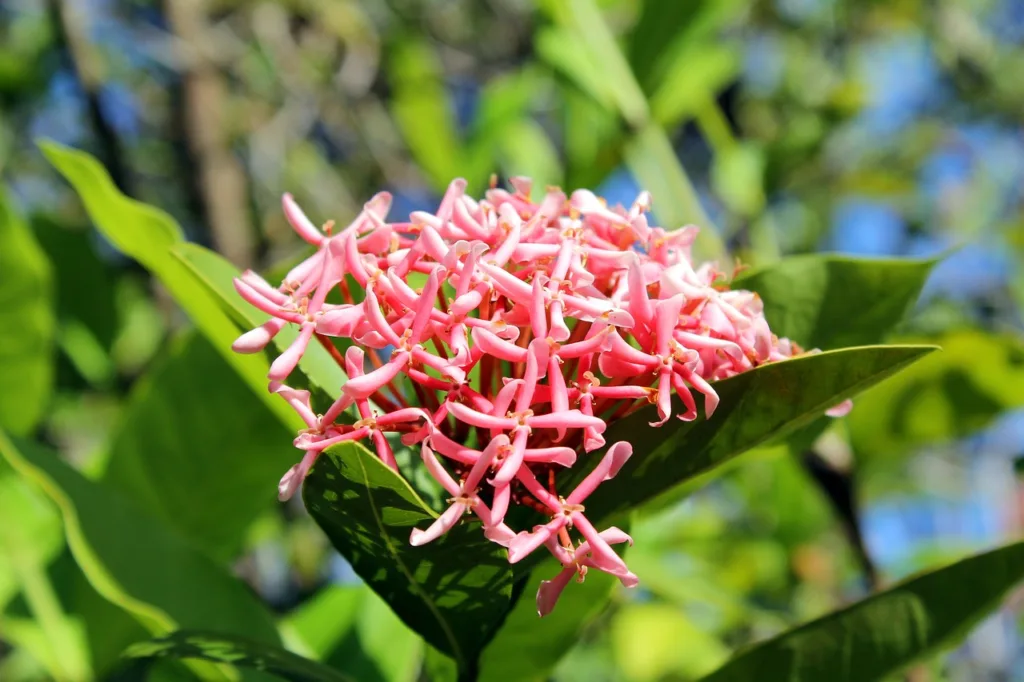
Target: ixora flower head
501,337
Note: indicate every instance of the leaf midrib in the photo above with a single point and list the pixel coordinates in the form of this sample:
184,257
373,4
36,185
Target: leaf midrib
386,536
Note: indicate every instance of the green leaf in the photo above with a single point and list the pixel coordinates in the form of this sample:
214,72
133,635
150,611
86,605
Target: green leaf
829,301
198,450
885,633
237,651
756,406
216,273
527,647
350,628
133,560
27,546
420,105
556,46
148,235
452,591
657,641
27,313
948,395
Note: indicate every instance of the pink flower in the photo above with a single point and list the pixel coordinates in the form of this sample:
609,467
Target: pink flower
502,337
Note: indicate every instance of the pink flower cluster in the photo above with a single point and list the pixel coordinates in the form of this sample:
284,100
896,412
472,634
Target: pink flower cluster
501,337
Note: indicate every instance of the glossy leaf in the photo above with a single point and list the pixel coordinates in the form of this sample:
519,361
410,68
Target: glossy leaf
830,301
198,450
452,591
884,633
148,235
948,395
527,647
133,560
26,305
350,628
236,651
755,406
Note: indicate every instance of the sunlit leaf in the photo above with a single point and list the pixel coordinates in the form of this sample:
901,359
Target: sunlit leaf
885,633
148,235
26,546
423,112
27,313
655,641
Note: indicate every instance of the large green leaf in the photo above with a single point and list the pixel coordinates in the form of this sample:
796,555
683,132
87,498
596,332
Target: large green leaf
148,235
237,651
452,591
886,632
949,395
527,647
134,561
755,406
829,301
28,320
198,450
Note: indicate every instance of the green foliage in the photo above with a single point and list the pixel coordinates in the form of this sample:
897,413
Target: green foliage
135,561
26,305
350,628
421,109
528,648
655,641
453,591
831,301
756,406
948,395
237,651
148,235
193,431
216,275
27,547
883,634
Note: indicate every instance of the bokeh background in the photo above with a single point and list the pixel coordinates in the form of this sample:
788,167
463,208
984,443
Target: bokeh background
881,128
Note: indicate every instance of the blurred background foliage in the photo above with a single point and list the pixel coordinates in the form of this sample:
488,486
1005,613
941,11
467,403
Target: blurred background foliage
864,127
